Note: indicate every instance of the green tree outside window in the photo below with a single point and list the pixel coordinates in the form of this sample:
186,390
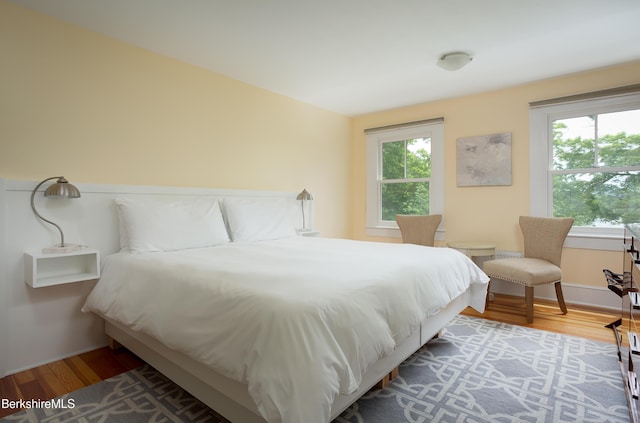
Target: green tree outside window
406,169
596,172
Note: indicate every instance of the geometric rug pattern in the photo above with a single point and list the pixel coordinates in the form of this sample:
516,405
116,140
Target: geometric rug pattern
485,371
476,371
139,396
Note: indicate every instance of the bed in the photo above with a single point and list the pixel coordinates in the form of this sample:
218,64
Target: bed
264,325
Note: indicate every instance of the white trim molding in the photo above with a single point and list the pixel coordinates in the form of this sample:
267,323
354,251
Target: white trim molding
573,294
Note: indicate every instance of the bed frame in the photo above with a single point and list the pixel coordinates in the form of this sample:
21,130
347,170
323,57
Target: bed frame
230,398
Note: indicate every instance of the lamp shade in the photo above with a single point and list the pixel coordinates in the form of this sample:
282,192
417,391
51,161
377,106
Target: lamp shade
62,188
454,61
304,195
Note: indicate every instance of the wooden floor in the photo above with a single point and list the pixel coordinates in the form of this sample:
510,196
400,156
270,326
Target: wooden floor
54,379
582,321
60,377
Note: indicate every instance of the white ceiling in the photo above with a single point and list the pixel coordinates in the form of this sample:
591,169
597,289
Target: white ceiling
360,56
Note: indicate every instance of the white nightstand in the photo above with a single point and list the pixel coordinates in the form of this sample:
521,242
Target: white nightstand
47,269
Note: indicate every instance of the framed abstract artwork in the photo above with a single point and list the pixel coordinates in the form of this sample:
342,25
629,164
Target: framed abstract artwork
484,160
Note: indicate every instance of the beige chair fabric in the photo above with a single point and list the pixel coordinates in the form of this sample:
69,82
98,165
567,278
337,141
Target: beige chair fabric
543,241
418,229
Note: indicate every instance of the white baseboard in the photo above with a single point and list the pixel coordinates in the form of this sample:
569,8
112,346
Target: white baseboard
600,297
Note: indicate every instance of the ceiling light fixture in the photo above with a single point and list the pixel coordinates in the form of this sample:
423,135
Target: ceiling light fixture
454,61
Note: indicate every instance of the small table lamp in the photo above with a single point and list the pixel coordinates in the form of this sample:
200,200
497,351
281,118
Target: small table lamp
61,189
302,197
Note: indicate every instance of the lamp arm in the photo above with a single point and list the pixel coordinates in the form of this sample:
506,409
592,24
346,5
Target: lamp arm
33,207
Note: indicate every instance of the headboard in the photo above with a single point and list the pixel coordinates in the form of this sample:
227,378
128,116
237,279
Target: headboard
44,324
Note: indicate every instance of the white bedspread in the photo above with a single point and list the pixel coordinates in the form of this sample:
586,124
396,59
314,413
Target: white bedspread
298,320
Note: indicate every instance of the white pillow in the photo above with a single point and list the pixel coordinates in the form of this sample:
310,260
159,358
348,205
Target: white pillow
124,237
162,224
259,219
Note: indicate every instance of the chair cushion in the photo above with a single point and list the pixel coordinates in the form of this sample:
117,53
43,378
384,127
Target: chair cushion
525,271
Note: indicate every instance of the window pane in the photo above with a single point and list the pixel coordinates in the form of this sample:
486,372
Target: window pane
393,160
619,138
419,158
574,143
597,199
404,198
406,159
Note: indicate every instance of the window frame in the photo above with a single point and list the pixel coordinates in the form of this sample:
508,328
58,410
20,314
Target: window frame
541,118
433,129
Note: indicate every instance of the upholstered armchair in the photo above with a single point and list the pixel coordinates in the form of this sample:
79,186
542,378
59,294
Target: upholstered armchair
543,241
418,229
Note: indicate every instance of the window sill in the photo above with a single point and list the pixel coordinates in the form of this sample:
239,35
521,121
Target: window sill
382,231
594,241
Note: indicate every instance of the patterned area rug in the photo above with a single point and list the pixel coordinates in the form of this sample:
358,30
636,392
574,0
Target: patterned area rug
477,371
484,371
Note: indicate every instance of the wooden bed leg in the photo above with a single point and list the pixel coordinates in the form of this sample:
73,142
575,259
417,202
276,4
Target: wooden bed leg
386,380
383,382
113,344
394,373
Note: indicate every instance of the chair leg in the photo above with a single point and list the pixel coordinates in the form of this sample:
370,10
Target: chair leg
561,303
528,299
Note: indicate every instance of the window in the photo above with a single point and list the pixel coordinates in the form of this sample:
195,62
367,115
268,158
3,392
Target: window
585,163
405,173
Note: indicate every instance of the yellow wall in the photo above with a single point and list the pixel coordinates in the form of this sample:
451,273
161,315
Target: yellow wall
97,110
491,213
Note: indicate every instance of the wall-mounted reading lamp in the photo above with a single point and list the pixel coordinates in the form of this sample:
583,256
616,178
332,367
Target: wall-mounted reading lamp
302,197
61,189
